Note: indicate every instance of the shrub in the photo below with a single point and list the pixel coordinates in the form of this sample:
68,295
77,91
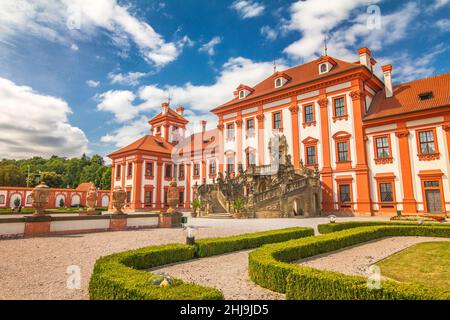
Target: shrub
118,277
215,246
333,227
269,266
425,218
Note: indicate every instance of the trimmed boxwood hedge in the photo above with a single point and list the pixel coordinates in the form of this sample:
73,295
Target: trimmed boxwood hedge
269,267
333,227
215,246
124,276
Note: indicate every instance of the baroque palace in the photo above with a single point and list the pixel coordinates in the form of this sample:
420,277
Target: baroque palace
379,149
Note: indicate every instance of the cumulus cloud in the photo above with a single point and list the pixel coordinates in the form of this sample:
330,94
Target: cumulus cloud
209,47
443,24
34,124
62,20
197,99
269,33
248,8
93,83
130,79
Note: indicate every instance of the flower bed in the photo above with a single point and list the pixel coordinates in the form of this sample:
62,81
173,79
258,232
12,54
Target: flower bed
269,266
123,276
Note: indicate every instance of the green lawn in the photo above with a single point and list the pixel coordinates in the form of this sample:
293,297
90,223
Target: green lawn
427,264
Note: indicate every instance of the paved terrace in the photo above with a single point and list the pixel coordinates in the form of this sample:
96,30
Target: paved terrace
36,268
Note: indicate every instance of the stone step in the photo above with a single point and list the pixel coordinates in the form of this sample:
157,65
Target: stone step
219,216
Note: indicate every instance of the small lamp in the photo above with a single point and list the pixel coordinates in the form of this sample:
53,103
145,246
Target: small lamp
332,219
190,235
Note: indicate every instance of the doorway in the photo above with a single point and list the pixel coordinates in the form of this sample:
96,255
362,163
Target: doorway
433,197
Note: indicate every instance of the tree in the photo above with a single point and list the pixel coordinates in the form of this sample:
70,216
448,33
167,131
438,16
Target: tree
106,179
52,179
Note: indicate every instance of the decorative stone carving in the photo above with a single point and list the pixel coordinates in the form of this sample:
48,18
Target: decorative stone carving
40,198
119,197
323,103
294,109
402,133
357,95
91,198
173,197
239,123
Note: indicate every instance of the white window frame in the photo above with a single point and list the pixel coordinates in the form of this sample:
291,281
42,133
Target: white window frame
241,94
320,68
281,82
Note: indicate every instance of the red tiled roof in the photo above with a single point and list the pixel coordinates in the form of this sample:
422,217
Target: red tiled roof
300,74
147,143
84,187
406,97
170,113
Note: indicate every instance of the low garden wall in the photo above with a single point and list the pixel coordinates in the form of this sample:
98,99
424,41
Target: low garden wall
270,265
32,226
124,276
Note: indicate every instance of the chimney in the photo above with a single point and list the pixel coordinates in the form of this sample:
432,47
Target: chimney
203,123
165,108
387,72
180,111
365,57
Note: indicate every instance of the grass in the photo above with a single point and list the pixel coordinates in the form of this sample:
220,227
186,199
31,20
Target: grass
427,264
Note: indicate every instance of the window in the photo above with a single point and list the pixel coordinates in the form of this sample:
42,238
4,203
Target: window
278,83
118,172
128,197
311,155
339,107
148,197
165,198
427,142
382,145
168,171
230,131
323,68
149,169
426,96
251,157
344,194
181,197
130,170
158,130
2,199
343,151
241,94
230,165
277,120
196,169
431,184
212,168
250,127
309,114
181,172
386,193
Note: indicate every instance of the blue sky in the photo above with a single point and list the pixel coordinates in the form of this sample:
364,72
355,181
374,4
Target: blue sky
85,76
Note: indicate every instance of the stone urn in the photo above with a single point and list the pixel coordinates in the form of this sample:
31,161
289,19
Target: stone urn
118,200
173,197
40,198
91,198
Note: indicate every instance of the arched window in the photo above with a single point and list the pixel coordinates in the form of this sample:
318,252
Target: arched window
2,199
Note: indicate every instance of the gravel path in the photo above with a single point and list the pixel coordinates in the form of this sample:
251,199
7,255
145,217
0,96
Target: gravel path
356,260
228,273
36,268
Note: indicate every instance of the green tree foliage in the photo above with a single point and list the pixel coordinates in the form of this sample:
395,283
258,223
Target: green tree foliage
57,172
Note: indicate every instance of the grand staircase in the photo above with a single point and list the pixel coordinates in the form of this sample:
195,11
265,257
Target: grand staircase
218,211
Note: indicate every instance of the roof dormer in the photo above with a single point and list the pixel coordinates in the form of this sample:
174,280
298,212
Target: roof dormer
243,91
326,64
281,79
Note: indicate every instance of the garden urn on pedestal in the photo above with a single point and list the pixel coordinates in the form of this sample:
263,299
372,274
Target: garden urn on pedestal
40,198
172,218
119,197
91,198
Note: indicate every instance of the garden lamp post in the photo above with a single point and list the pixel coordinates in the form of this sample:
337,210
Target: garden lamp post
332,219
190,235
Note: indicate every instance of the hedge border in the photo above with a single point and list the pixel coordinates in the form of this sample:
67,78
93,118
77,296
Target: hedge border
123,276
334,227
269,267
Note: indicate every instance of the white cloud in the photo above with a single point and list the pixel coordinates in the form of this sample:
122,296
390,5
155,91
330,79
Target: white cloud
34,124
63,20
209,47
74,47
118,102
269,33
438,4
197,99
443,24
248,8
131,78
93,83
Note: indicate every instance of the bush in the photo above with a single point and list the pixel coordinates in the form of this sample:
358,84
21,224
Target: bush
269,266
119,276
215,246
334,227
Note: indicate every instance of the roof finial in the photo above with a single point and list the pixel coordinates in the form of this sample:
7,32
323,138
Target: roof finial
169,97
274,66
325,45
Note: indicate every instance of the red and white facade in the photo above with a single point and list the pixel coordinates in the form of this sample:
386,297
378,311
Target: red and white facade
380,149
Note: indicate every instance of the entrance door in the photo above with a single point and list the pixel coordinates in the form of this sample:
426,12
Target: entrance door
434,204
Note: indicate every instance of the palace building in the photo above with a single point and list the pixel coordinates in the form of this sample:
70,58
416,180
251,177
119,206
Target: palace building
379,148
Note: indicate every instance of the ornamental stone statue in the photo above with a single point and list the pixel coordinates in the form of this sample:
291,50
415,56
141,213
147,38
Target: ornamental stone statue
39,198
91,198
118,198
173,197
